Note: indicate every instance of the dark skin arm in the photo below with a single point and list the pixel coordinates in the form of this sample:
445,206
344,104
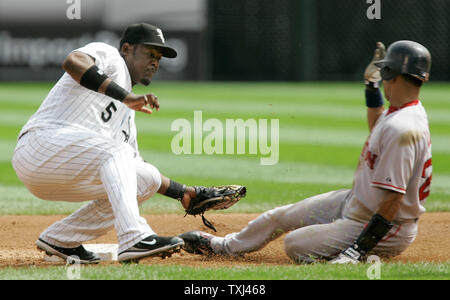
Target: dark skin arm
77,63
188,195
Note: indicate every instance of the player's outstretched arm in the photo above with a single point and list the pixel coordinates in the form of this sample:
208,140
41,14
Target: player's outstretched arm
177,191
81,67
196,200
372,80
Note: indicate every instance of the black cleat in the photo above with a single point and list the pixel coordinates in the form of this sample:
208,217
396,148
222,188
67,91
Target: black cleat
71,255
152,246
197,242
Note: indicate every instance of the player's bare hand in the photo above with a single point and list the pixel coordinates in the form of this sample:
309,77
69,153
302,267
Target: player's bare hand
140,102
152,101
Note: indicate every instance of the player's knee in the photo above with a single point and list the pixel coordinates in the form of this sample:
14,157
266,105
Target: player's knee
291,245
44,194
148,180
297,248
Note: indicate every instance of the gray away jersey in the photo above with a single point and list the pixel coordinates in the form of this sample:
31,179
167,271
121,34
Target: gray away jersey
397,157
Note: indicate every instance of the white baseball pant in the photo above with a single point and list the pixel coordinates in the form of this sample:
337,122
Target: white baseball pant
70,165
319,227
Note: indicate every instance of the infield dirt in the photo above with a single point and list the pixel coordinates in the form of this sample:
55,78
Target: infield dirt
19,233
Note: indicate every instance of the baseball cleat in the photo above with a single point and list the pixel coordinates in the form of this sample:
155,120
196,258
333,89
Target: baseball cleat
197,242
152,245
71,255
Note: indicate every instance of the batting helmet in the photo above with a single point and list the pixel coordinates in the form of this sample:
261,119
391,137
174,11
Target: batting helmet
405,57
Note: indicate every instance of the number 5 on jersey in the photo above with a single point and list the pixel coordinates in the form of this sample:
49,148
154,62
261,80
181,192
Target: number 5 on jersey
106,116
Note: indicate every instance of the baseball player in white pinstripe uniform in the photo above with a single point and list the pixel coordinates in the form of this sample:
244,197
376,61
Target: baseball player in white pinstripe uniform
81,145
379,214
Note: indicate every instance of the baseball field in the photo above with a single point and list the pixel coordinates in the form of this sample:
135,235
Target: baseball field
322,128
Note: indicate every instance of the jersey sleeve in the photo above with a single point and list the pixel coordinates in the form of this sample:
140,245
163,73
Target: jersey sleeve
103,54
395,164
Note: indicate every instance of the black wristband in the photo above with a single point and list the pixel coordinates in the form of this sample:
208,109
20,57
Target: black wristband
115,91
373,233
175,190
373,97
93,78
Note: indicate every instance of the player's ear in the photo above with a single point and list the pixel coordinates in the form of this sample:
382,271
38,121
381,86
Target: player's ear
396,78
126,49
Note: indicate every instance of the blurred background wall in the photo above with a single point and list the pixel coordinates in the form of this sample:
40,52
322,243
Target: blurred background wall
289,40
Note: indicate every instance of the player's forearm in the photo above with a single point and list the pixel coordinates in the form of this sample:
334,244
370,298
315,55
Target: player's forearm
378,226
176,190
390,204
83,70
165,182
374,103
372,116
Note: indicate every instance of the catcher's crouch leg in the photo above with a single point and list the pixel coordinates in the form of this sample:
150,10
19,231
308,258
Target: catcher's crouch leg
81,167
96,218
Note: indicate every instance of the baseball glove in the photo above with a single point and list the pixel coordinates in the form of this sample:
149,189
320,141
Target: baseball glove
372,72
215,197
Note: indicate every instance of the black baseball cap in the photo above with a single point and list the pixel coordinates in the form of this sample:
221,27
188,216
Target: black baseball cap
147,34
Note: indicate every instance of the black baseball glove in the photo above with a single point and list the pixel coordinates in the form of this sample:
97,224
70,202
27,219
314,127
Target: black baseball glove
215,197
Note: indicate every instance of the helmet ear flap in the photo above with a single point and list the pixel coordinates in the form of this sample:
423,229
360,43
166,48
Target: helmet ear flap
387,73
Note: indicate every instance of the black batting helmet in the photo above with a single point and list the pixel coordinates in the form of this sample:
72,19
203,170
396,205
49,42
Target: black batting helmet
405,57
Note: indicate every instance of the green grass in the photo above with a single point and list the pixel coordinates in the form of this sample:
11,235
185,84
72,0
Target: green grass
322,131
392,271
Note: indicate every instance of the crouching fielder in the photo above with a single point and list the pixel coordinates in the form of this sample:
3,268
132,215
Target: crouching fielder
380,213
81,145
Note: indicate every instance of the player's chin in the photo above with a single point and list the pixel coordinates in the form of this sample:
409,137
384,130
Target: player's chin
146,81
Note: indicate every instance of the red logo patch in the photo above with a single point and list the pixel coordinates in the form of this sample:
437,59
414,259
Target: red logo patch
370,159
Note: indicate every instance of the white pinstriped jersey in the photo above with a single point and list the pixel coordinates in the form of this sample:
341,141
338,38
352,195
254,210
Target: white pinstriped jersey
75,151
71,105
397,157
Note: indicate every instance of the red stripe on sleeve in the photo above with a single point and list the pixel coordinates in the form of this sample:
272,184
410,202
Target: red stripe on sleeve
393,186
